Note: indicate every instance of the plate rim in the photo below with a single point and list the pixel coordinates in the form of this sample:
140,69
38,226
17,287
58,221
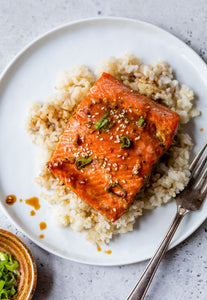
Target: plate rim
39,39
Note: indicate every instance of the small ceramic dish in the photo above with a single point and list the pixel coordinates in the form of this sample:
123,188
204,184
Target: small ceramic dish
10,243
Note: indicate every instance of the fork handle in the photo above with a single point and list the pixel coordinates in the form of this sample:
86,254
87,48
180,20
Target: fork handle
139,291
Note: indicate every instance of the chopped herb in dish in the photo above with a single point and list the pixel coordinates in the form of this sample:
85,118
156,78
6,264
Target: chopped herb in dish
112,189
126,143
102,122
8,276
140,122
82,162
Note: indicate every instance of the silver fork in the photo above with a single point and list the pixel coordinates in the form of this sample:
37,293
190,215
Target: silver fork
190,199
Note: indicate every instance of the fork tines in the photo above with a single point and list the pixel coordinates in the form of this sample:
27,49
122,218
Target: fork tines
196,168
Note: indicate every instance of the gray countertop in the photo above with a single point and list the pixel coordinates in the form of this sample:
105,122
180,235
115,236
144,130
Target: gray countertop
183,272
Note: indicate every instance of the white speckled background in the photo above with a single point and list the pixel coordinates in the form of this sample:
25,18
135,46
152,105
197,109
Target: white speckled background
183,272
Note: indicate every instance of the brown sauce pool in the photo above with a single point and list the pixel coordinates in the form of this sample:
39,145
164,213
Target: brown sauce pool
41,236
11,199
34,202
43,225
20,200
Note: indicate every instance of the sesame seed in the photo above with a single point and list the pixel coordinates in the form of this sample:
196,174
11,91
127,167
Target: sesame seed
130,110
108,169
124,181
119,121
111,138
93,116
137,138
115,169
69,150
97,113
102,107
81,171
105,158
89,116
69,180
93,169
114,209
101,139
114,165
119,155
123,157
127,132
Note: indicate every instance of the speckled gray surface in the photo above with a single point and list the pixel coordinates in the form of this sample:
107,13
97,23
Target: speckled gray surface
183,272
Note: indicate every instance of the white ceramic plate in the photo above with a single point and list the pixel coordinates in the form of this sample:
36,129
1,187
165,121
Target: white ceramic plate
31,76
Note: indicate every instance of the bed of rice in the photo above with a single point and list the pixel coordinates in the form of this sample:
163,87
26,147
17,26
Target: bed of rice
46,122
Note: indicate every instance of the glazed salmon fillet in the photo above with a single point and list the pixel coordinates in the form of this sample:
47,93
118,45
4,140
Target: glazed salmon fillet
110,145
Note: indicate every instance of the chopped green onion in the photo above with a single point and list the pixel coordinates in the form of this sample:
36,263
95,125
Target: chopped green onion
140,122
82,162
3,256
116,185
11,279
126,143
11,266
2,282
102,121
110,124
4,295
12,291
8,275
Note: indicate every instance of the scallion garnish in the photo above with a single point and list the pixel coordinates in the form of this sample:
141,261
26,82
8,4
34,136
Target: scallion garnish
82,162
140,122
102,121
8,275
126,143
108,125
111,189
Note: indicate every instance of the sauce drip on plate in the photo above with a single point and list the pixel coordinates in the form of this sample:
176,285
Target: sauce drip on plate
43,225
98,248
11,199
108,251
41,236
32,213
34,202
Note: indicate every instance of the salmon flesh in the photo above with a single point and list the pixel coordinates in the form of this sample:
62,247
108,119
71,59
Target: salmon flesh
110,145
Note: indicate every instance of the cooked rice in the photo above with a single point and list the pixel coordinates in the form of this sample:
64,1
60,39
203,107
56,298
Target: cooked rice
46,122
